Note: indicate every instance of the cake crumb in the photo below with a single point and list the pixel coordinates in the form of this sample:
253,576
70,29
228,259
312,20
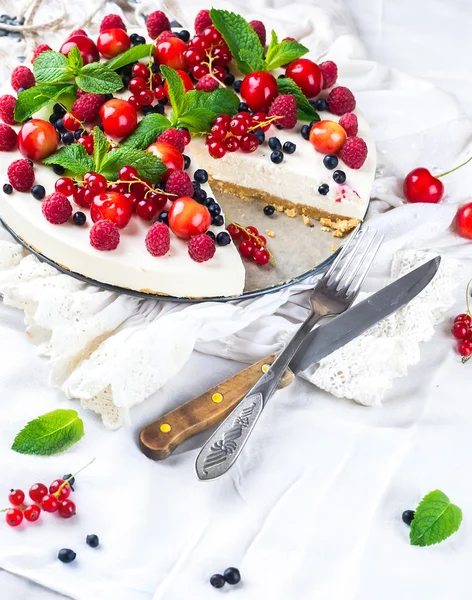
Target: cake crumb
290,212
270,233
341,227
326,229
337,233
306,220
279,207
334,248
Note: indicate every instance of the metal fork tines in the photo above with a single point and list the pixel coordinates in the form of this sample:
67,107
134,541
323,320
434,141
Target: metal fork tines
333,293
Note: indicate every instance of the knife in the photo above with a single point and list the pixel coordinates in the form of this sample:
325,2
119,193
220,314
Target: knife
159,439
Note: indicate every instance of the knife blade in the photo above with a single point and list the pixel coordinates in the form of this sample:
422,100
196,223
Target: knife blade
159,439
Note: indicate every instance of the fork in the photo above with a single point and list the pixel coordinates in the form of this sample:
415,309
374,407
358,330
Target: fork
334,293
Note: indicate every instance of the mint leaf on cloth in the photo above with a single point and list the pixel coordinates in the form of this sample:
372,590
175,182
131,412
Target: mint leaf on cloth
34,98
176,90
96,78
306,112
49,434
238,35
51,67
74,58
282,53
147,131
131,55
74,158
148,165
101,146
435,520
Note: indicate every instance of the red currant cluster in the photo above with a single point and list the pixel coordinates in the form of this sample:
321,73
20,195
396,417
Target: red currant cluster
208,54
144,86
462,331
243,131
252,245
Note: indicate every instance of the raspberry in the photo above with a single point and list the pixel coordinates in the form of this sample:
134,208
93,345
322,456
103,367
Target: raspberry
56,208
207,84
330,73
202,21
180,184
7,109
341,101
164,35
349,123
87,106
158,239
8,138
21,175
38,50
112,22
354,152
78,32
104,235
174,137
156,23
286,106
22,77
201,247
260,29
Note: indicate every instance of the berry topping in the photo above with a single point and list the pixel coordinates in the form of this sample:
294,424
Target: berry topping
323,189
14,517
111,22
79,218
188,218
31,513
207,84
37,139
408,516
87,106
156,23
349,123
112,42
259,90
201,176
341,101
66,555
104,235
111,206
16,497
330,73
158,239
464,221
201,248
307,75
7,109
119,118
232,575
305,132
49,503
277,157
354,152
284,106
66,509
217,580
274,143
180,184
56,208
327,137
223,238
92,540
77,32
339,176
87,48
21,175
260,29
420,186
330,161
174,137
8,138
37,492
171,51
269,210
39,50
169,154
202,21
289,147
22,77
38,192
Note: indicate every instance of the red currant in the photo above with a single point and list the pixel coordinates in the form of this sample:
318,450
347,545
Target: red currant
37,492
460,331
70,122
223,120
16,497
171,52
234,231
136,85
186,135
465,348
157,199
250,229
55,486
66,509
119,118
95,182
37,139
217,149
307,75
222,56
134,101
212,36
112,42
132,198
246,248
249,143
421,186
194,56
232,143
260,117
146,209
31,513
261,256
218,131
128,173
145,98
140,70
14,517
87,143
258,90
159,93
464,221
139,190
467,319
219,73
65,186
156,80
49,503
260,241
199,71
238,127
198,41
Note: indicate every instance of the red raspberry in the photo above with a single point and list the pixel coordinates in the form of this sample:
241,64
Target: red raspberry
56,208
330,73
202,21
158,239
201,248
174,137
112,22
22,77
156,23
207,84
286,106
21,175
38,50
260,29
104,235
7,109
78,32
8,138
349,123
180,184
341,101
164,35
354,152
87,106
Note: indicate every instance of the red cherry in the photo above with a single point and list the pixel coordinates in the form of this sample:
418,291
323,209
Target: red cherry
37,492
258,90
137,84
327,137
70,122
460,330
464,318
112,206
31,513
66,509
421,186
49,503
54,488
86,46
119,117
261,256
464,221
37,139
95,182
465,348
246,248
112,42
171,52
140,70
188,85
14,517
307,75
169,154
16,497
188,218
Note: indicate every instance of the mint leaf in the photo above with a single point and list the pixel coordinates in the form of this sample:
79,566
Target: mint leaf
49,434
255,62
34,98
147,131
148,165
131,55
306,112
73,158
197,120
101,146
176,90
435,520
220,101
51,67
238,35
272,49
75,61
284,53
96,78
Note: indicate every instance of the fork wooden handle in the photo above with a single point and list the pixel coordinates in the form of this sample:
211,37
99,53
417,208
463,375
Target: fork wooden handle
159,439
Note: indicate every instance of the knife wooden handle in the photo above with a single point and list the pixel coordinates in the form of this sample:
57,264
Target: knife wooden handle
159,439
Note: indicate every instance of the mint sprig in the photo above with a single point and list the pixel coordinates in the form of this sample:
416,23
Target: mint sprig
52,67
131,55
281,53
101,147
147,131
96,78
34,98
74,158
306,112
147,164
176,90
75,60
436,518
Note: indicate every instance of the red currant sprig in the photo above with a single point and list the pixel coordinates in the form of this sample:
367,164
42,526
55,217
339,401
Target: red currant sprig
253,244
462,330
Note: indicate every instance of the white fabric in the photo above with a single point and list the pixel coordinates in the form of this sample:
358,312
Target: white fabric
312,508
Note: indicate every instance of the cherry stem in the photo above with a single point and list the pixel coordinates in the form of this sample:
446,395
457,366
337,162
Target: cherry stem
454,169
255,237
71,477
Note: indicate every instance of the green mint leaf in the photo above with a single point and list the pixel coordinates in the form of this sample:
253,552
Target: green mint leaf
131,55
284,53
49,434
101,146
197,120
147,132
34,98
74,158
272,49
255,62
238,34
51,67
221,100
435,520
75,61
96,78
176,90
148,165
306,112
